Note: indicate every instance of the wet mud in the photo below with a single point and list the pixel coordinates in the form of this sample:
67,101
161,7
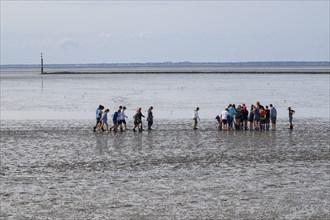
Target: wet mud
60,169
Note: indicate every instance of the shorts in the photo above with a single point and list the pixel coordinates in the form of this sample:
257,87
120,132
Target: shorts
224,121
290,118
115,122
273,119
120,122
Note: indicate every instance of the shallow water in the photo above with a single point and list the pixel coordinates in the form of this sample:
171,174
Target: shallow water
29,95
61,169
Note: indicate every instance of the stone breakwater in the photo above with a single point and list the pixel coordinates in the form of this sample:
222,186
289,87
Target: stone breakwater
61,169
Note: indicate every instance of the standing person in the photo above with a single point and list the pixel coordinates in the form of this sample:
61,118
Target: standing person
273,115
263,114
150,118
98,117
104,119
123,117
256,118
224,117
291,112
251,117
238,117
230,117
267,117
138,120
245,114
196,118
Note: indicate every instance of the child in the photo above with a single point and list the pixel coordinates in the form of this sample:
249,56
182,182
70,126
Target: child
195,117
291,112
104,119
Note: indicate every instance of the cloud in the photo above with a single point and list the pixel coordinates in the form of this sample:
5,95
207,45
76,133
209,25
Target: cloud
144,34
68,44
105,35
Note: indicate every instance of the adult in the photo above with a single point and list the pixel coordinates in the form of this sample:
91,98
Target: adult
256,118
251,117
245,114
273,116
138,120
150,118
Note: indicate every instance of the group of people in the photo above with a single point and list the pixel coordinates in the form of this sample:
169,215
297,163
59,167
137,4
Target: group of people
119,119
240,118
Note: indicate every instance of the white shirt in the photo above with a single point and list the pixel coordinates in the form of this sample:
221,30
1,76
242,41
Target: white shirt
224,115
196,115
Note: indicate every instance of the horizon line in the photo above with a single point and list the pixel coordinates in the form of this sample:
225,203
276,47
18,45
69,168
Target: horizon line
172,63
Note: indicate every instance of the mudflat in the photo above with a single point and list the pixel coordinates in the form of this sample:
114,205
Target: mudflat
61,169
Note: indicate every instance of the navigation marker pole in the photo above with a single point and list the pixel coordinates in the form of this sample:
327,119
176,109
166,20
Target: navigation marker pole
42,65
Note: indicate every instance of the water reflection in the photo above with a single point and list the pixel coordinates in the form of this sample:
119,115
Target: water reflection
102,143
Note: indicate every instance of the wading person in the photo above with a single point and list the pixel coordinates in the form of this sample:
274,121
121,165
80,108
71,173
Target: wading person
273,115
256,118
120,118
98,117
138,120
267,117
196,118
245,114
150,118
291,112
251,117
218,118
115,119
104,120
123,117
224,116
263,114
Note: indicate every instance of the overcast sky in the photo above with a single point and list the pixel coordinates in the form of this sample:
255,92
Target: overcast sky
158,31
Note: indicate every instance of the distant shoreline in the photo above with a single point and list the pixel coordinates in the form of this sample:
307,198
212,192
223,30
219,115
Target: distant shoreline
178,68
194,71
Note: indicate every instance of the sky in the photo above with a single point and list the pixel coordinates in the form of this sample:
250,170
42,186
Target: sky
69,32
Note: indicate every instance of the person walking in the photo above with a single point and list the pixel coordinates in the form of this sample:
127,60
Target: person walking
273,115
99,112
196,118
291,112
115,120
123,117
138,120
150,118
104,120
